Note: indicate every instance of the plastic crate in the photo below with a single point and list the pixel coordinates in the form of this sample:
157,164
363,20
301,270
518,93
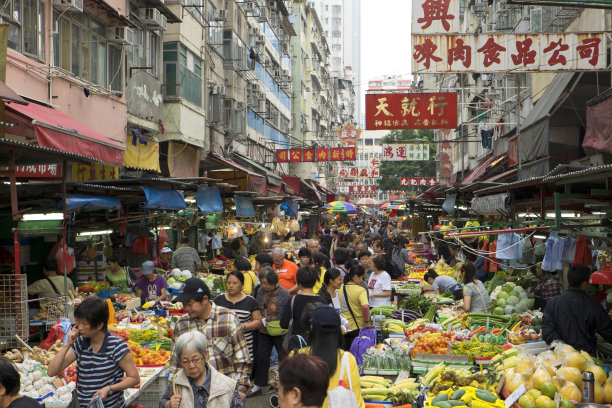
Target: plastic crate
108,293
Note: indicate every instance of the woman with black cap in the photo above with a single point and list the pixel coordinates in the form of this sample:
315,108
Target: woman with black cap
326,343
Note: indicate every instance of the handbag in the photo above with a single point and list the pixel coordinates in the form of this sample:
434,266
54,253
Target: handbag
365,340
342,397
274,329
290,328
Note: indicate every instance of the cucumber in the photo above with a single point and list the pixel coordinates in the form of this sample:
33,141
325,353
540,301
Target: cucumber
442,404
457,403
485,396
441,397
457,395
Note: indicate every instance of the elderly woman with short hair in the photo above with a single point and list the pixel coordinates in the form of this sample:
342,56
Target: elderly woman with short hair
198,384
271,300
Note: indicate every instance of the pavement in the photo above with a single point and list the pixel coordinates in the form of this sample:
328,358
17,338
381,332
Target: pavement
261,401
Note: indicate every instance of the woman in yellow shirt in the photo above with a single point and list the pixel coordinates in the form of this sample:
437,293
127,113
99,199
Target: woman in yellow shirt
354,304
243,266
319,265
326,343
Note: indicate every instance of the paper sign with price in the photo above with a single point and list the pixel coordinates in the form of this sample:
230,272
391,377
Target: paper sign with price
514,397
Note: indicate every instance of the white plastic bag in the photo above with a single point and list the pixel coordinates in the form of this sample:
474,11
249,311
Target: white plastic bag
340,397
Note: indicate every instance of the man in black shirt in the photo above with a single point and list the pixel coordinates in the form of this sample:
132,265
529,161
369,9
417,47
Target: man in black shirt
574,317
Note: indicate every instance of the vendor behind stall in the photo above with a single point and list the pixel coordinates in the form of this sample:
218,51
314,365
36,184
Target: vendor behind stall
574,317
547,288
151,286
52,284
164,260
118,277
475,296
442,284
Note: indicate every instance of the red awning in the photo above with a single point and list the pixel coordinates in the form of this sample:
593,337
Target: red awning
57,130
294,182
479,171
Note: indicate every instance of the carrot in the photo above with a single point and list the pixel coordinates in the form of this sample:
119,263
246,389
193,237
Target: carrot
403,406
496,331
372,405
478,330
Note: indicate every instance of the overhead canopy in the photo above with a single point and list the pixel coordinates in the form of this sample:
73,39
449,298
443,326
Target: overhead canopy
533,139
59,131
272,177
86,202
7,94
209,200
478,171
255,182
244,206
164,199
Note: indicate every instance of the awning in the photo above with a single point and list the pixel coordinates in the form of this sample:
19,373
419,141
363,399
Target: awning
8,95
294,182
599,123
533,139
272,177
209,200
164,199
478,171
57,130
255,182
86,202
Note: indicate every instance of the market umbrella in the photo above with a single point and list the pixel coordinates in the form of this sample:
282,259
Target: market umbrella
385,206
368,202
341,207
398,207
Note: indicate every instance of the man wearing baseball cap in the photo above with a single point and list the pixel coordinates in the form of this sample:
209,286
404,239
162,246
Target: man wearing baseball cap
163,261
151,287
229,353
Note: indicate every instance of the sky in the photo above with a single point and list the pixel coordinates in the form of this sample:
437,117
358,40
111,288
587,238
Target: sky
385,39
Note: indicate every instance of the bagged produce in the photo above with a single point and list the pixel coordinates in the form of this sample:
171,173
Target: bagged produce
570,374
525,368
541,376
598,372
575,359
571,391
599,393
608,391
514,381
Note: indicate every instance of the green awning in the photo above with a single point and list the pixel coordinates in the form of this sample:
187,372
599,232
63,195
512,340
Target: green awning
272,178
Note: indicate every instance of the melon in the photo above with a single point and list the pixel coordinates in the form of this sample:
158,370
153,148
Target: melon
571,392
571,374
534,393
598,372
549,368
541,377
549,389
575,359
565,403
544,402
526,402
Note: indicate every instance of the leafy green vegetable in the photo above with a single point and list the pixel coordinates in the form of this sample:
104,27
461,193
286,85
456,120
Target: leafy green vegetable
417,303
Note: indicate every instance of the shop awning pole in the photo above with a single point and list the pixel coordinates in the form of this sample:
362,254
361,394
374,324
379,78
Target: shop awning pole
497,232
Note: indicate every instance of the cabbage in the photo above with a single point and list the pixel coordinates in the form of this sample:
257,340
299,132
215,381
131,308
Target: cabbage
508,309
507,288
502,295
498,311
512,284
176,285
186,274
521,307
515,293
513,300
171,281
501,303
498,289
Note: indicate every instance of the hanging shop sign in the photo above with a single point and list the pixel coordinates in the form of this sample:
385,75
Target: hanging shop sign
141,153
405,152
183,160
94,172
37,171
435,16
362,189
319,155
349,135
357,196
487,53
411,111
418,181
359,172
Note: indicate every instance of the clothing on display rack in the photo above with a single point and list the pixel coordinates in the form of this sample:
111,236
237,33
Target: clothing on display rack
569,249
217,242
509,247
554,252
528,250
583,253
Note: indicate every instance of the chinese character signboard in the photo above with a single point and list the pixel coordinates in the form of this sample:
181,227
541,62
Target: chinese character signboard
418,181
435,16
35,171
405,152
359,172
319,155
295,155
309,155
500,53
361,189
282,156
94,172
411,111
349,134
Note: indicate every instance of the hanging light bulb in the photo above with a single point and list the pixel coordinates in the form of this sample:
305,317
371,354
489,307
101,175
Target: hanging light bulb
266,239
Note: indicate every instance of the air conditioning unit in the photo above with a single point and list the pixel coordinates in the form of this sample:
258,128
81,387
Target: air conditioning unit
285,73
255,31
277,73
261,96
152,16
285,38
74,5
256,88
164,22
240,105
121,35
222,15
263,16
248,6
260,39
221,90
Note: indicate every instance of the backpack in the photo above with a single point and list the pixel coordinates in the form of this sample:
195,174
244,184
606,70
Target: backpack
393,268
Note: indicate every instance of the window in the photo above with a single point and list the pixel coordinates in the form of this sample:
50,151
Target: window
182,73
234,50
26,20
369,142
80,47
152,54
138,48
215,28
196,8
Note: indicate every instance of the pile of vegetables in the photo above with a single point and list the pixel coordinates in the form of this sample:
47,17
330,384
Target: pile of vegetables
405,315
469,320
416,303
475,397
39,355
142,336
475,348
453,380
383,357
410,286
510,298
375,388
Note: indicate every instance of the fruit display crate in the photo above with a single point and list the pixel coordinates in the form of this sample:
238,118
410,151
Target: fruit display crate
421,363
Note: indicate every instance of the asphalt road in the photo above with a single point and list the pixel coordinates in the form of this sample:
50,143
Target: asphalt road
258,402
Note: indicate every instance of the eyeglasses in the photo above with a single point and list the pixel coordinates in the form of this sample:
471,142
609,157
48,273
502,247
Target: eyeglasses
194,361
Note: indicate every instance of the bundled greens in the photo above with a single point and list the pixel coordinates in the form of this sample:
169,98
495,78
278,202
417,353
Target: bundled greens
416,303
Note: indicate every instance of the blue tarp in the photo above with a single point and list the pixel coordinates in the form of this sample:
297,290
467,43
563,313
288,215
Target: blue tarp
209,200
164,199
85,202
290,207
244,206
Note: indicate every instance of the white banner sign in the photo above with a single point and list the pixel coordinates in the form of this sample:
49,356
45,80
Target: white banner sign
405,152
435,16
508,52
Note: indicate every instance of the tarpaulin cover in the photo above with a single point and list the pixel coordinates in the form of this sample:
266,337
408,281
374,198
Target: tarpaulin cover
533,143
209,200
244,206
449,203
69,135
599,127
290,208
164,199
491,205
294,182
86,202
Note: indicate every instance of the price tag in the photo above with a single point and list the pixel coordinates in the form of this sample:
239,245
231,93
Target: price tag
487,323
449,327
557,399
403,375
512,398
